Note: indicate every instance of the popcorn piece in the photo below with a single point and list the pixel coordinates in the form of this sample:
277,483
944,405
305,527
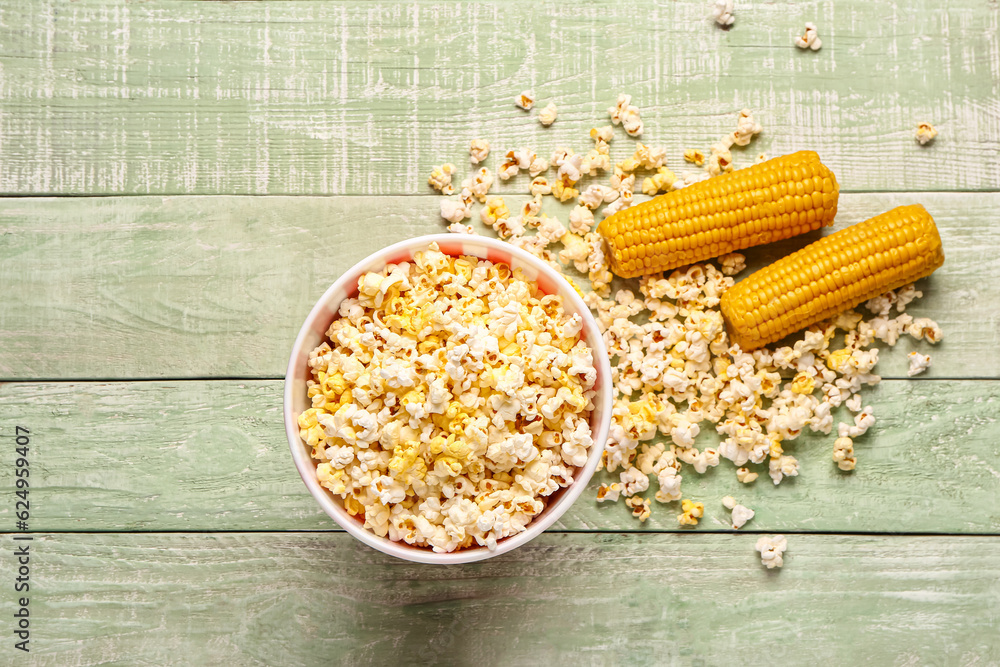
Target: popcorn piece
690,513
661,181
609,492
454,211
810,39
781,467
479,150
581,220
746,129
547,115
459,228
926,133
440,179
728,502
925,328
626,115
732,263
525,100
540,186
723,12
843,453
477,185
640,507
745,476
918,363
771,550
741,515
494,210
694,156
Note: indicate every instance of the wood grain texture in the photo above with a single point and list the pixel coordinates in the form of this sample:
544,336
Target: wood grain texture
306,97
307,599
212,456
146,287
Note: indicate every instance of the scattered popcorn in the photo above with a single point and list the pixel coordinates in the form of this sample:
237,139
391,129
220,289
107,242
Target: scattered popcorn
674,373
723,12
926,133
547,115
918,363
810,39
728,502
525,100
690,513
434,398
694,156
440,179
479,150
771,549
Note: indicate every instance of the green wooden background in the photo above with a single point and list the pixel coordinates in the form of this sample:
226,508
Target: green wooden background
179,182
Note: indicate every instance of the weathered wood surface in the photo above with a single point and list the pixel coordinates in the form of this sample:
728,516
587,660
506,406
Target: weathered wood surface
212,456
145,287
305,97
307,599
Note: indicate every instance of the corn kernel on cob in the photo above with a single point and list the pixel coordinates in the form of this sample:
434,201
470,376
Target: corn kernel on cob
767,202
831,275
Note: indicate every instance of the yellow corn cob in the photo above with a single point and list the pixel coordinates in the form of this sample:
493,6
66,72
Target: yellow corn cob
831,275
767,202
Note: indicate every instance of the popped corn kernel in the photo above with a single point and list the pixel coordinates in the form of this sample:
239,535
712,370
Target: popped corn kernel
454,211
723,12
440,179
926,133
728,502
918,363
782,466
925,328
581,220
732,263
479,150
640,507
662,181
548,114
525,100
494,210
459,228
809,39
740,515
771,550
690,513
624,113
609,492
694,156
843,453
745,476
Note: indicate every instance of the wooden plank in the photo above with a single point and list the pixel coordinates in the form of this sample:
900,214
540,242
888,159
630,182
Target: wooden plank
303,599
305,97
145,287
210,456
